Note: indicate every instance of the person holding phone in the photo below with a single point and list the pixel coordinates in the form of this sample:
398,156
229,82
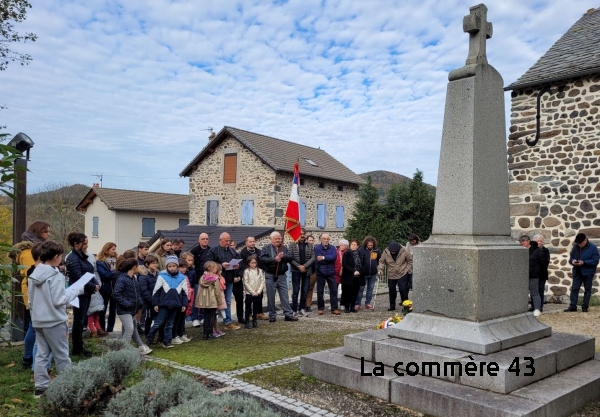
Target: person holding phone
584,258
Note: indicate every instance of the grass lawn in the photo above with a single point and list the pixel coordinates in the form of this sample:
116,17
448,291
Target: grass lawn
269,342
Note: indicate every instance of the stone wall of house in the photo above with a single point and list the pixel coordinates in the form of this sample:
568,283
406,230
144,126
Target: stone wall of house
255,180
312,194
555,185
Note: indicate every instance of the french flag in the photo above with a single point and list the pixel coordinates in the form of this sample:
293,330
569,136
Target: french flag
292,212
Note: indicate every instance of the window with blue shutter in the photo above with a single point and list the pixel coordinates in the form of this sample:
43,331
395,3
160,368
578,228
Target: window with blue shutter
183,222
302,213
247,212
339,216
321,216
95,222
212,212
148,226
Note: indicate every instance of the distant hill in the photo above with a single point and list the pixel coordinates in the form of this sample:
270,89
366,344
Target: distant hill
383,179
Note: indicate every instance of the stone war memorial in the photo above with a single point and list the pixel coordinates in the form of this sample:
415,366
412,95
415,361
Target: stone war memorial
469,348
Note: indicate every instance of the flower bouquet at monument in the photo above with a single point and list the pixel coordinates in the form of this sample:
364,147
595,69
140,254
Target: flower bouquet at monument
406,307
389,322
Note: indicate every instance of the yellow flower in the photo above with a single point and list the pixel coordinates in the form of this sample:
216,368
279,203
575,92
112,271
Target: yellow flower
407,303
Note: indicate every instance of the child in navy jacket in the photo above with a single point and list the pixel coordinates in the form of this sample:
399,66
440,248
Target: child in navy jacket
169,296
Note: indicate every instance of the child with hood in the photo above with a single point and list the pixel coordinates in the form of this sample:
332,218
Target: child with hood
169,296
48,301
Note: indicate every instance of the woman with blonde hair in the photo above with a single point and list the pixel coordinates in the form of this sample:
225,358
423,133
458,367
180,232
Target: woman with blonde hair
106,267
162,252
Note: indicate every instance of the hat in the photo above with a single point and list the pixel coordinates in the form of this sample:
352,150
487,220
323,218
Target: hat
172,259
580,238
394,247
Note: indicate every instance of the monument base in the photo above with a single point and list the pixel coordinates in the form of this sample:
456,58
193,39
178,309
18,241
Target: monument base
566,376
478,337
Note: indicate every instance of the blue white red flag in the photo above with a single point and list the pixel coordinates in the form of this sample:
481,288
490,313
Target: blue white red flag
292,212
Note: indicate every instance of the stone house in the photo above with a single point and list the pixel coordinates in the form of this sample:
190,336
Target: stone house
555,183
244,179
127,217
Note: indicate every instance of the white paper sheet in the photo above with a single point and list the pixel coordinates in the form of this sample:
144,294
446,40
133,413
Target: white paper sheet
78,286
233,263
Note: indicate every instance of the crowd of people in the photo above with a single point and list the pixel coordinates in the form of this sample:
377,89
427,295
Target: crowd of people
154,294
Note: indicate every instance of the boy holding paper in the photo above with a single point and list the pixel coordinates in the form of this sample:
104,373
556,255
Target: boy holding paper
48,300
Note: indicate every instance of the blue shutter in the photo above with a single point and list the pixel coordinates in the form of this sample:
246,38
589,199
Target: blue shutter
148,228
302,213
183,222
247,212
321,210
339,216
95,221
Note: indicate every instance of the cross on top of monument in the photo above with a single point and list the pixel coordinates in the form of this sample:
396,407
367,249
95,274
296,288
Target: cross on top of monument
479,30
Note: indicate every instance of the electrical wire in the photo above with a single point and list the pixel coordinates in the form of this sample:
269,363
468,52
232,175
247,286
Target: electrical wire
104,175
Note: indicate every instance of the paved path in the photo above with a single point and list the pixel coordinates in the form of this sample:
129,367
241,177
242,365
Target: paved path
229,378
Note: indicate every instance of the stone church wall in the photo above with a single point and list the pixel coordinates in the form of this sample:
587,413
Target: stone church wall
555,185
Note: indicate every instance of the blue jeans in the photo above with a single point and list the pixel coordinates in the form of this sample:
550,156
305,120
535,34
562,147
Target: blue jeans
228,294
197,313
29,343
300,282
370,281
165,316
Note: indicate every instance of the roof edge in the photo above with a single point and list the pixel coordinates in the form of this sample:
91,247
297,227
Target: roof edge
515,86
85,199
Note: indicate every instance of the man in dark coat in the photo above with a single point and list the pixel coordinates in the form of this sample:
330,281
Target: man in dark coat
325,257
303,255
223,254
200,252
584,258
544,271
535,266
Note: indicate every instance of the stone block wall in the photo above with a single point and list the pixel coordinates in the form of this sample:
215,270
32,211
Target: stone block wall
555,185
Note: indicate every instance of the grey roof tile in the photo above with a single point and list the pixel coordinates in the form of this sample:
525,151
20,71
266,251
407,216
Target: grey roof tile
576,53
281,155
129,200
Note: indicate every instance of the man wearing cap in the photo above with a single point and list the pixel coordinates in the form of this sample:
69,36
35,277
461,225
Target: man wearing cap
396,262
584,258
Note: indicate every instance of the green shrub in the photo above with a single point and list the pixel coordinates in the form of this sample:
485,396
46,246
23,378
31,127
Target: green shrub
117,344
154,395
79,388
220,405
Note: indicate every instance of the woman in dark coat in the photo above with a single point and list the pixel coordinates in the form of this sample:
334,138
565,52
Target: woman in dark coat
351,278
78,264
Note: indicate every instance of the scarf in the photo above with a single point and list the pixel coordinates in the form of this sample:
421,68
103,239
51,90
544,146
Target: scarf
111,262
32,237
356,256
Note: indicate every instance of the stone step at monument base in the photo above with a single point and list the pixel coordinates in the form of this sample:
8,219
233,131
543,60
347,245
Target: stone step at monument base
495,372
558,395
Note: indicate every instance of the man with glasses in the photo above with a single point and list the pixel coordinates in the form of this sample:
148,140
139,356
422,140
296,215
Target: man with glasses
584,258
303,259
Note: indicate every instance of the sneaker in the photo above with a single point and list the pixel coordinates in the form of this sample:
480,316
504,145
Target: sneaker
145,350
177,341
196,323
26,363
168,345
369,307
305,313
39,392
537,313
308,309
220,333
209,337
299,314
232,326
290,318
185,338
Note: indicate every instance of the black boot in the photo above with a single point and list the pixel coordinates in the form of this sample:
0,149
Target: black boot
248,325
254,324
27,362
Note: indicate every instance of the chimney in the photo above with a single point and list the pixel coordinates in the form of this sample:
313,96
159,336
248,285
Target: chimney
212,136
95,185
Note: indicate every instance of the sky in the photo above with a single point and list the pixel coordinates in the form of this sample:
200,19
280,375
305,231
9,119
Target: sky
128,89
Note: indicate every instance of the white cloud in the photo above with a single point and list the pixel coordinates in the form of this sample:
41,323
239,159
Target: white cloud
124,88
